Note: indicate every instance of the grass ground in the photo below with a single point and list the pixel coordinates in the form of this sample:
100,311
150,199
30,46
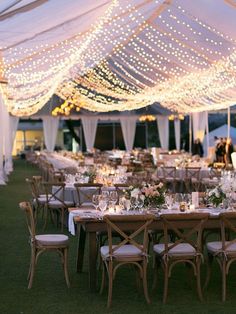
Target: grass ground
49,293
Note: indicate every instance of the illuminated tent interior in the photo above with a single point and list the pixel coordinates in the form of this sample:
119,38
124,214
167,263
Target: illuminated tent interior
107,56
118,55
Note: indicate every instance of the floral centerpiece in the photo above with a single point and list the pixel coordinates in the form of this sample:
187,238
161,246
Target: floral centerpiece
152,195
216,196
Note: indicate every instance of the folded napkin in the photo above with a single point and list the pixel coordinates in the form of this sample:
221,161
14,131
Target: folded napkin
83,213
71,224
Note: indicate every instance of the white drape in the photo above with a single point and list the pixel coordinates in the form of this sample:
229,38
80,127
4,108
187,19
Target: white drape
128,127
11,126
2,175
90,129
177,133
50,128
200,121
163,129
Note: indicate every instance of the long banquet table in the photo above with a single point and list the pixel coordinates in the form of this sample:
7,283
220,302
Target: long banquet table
90,226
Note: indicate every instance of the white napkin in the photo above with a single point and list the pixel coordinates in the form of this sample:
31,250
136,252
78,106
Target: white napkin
71,224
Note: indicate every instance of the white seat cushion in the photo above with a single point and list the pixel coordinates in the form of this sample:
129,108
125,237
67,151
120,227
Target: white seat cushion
127,250
178,250
51,239
217,246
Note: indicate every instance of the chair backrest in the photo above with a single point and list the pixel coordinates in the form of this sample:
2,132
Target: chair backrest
169,172
32,186
192,173
38,183
121,188
26,207
55,191
128,227
85,192
228,223
215,173
186,227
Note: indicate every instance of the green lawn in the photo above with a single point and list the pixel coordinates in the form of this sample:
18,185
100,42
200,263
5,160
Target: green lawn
49,293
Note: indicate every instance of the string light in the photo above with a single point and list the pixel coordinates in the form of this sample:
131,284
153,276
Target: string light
128,60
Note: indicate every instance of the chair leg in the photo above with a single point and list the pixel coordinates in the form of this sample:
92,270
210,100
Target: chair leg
223,280
103,278
166,281
110,276
199,288
65,266
145,288
32,269
155,267
209,264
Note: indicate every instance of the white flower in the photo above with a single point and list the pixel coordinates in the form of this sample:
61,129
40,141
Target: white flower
135,193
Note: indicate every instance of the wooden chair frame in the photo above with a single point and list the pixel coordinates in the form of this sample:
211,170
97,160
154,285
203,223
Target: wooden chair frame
55,195
182,235
87,196
190,174
112,262
223,257
37,249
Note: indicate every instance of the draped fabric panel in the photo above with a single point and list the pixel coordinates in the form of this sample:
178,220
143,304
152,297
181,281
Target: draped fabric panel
90,129
10,137
200,121
177,133
128,127
163,129
2,109
50,128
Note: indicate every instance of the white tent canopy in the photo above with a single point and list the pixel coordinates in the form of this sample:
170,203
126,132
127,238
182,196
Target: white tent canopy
119,54
222,131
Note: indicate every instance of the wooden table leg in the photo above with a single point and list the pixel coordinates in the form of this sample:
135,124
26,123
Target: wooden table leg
92,261
80,249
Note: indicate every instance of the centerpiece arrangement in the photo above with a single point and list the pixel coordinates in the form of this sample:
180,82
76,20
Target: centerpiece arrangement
223,192
216,196
150,195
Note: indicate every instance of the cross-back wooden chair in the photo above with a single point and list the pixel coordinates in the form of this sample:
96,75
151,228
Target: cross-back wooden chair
186,246
120,188
55,200
192,178
44,242
169,177
223,251
128,250
85,192
38,200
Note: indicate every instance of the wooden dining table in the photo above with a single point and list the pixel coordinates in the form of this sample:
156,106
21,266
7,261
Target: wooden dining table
90,227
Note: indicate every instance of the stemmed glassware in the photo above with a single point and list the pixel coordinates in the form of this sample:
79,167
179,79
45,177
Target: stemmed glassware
113,197
103,200
95,200
169,201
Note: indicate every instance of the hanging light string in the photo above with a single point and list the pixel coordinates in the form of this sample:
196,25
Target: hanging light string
135,55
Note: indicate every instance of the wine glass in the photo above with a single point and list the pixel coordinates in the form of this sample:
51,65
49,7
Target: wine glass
140,203
113,197
95,200
169,201
105,195
103,203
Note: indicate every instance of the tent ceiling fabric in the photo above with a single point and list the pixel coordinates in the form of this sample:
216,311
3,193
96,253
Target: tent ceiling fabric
118,55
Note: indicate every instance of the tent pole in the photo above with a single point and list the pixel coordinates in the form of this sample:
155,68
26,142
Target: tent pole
207,134
228,134
190,133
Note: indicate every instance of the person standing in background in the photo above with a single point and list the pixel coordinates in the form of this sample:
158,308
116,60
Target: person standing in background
229,149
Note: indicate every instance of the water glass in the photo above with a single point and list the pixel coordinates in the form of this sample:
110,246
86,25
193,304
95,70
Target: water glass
114,197
103,204
95,200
